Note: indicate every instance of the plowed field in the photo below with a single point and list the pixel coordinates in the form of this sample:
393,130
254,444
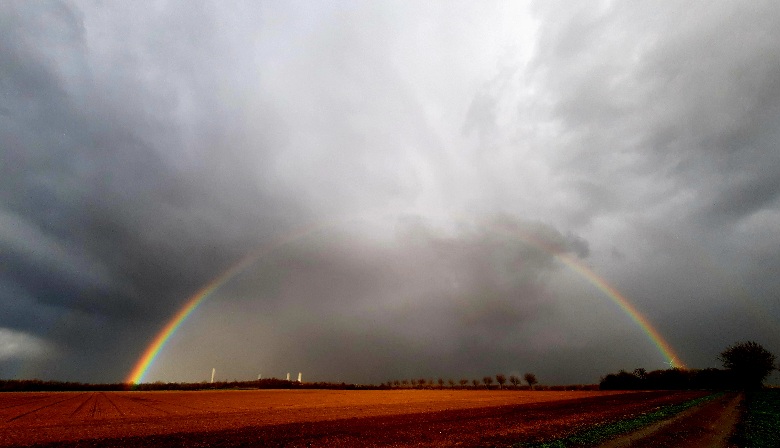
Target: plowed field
312,417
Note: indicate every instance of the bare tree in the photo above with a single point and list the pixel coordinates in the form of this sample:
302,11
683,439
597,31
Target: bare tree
515,380
421,382
451,383
475,382
500,379
463,382
441,383
530,378
488,380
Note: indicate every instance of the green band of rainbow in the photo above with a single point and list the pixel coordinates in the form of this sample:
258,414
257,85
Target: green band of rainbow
155,347
153,350
672,359
663,346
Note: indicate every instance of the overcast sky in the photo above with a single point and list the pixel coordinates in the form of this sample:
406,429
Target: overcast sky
396,166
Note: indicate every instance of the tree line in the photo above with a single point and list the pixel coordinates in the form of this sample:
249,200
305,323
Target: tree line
746,365
35,385
515,382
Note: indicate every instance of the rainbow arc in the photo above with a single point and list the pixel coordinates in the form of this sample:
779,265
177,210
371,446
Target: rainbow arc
153,350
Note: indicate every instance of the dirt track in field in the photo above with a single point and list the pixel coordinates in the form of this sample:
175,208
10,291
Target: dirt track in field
312,417
707,426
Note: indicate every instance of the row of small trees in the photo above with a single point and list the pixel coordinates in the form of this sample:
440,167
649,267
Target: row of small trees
487,382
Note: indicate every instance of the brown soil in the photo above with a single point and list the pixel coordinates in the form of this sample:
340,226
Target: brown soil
707,426
312,417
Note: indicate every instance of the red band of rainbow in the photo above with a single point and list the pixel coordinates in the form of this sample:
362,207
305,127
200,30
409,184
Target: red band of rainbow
155,347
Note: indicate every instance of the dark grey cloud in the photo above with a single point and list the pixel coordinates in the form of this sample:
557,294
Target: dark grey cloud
102,217
688,103
416,151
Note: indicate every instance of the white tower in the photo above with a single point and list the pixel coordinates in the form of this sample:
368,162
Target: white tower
288,376
299,377
213,371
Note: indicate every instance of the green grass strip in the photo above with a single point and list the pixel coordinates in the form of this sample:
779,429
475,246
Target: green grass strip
602,433
761,426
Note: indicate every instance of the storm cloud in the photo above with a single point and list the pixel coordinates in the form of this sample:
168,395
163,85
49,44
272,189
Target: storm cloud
413,178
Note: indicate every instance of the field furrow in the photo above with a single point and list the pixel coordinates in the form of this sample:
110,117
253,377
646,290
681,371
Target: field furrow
80,411
113,405
317,417
16,399
57,406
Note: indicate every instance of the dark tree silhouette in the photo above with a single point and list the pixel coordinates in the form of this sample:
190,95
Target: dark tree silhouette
530,378
515,380
475,382
451,383
441,383
463,382
749,363
500,379
488,380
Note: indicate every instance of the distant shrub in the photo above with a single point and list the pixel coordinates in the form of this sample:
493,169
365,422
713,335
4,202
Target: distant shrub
621,381
669,379
570,387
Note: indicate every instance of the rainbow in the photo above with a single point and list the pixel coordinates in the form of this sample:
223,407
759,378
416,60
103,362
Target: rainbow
153,350
560,253
673,360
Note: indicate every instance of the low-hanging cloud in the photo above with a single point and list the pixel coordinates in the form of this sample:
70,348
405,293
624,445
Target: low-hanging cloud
20,345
